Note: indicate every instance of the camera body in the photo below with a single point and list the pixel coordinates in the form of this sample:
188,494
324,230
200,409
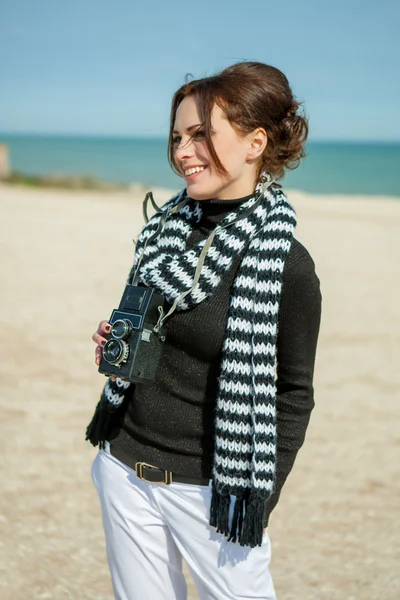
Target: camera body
133,348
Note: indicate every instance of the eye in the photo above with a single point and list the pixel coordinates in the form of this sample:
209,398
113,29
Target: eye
176,140
199,133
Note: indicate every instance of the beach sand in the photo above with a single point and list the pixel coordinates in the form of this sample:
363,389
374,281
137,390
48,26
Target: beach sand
64,260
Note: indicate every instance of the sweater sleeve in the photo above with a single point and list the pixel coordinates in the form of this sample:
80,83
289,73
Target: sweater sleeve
298,328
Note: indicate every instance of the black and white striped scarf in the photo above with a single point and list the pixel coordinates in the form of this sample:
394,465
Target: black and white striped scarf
245,419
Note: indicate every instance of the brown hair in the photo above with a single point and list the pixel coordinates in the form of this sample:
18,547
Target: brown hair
252,95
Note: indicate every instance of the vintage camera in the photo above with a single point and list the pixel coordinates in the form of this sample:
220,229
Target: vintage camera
134,345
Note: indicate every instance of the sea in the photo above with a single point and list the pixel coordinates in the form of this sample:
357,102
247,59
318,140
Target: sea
329,167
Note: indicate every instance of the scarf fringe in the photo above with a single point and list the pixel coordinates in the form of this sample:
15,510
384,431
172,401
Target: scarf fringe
237,520
252,531
247,525
219,510
104,420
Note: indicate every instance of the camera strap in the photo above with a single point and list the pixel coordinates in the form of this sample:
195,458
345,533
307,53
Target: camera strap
207,245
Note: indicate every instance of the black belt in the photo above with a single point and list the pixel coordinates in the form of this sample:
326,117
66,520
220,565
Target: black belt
154,474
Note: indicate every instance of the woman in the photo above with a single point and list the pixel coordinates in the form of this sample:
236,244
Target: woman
233,392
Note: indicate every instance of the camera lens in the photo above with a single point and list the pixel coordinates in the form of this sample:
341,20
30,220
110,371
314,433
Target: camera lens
115,352
121,329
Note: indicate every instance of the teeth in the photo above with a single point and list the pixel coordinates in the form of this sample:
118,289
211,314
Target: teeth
193,170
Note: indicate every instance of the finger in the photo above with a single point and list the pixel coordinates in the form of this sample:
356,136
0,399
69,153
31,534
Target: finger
98,353
104,327
98,339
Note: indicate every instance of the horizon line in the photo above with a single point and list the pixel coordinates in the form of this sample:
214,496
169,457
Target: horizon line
164,137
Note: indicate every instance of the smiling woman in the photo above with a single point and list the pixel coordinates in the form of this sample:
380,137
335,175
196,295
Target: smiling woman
193,159
221,423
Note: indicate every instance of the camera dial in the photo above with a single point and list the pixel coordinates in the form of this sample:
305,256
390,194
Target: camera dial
116,352
121,329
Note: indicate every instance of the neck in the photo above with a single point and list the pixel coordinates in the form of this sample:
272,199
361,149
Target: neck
225,200
215,209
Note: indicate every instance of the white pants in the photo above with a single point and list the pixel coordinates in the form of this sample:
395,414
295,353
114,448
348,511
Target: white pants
150,527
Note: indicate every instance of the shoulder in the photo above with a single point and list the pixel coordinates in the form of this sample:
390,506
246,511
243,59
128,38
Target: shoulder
299,258
299,267
301,299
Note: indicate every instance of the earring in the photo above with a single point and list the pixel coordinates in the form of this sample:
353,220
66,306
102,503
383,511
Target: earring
265,182
265,177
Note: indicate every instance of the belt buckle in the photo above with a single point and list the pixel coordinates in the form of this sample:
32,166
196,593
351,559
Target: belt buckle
139,473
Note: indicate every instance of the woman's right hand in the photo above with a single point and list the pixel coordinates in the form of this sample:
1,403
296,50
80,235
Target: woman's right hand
103,329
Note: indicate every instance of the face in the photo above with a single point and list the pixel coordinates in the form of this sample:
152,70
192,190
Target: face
236,153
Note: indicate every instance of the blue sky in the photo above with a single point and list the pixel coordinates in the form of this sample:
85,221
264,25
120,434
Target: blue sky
110,68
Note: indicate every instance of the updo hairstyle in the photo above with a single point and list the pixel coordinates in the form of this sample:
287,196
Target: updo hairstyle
252,95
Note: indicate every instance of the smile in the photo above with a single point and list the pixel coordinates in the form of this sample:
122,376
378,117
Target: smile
193,171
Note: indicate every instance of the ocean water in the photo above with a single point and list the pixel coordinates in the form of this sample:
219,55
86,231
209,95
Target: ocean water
330,167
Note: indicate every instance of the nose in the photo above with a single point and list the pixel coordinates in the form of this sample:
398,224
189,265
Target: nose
184,150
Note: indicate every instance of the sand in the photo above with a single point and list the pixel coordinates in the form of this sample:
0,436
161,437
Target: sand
64,259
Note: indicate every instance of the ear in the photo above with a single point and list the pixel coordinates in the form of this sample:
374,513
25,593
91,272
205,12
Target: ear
257,141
